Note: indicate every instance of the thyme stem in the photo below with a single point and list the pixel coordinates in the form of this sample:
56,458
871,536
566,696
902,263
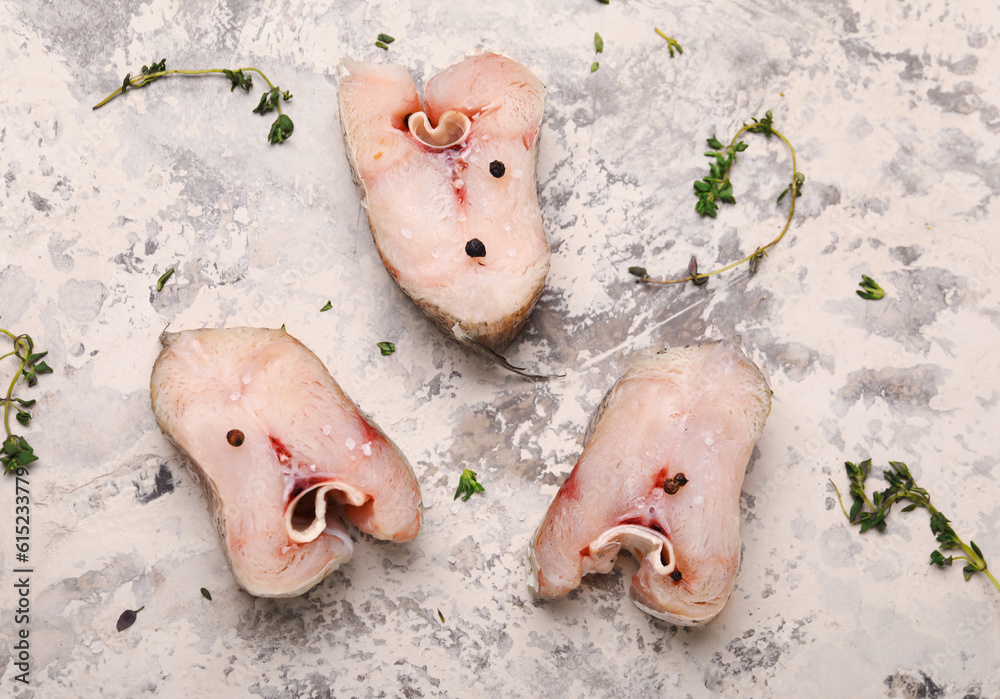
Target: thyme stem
21,342
281,129
142,80
760,251
902,486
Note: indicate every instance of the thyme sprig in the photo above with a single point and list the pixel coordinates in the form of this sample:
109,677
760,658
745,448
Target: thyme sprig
15,452
716,188
467,485
281,128
671,43
870,513
870,290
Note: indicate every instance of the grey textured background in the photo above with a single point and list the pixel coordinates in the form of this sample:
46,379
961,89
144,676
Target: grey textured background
893,108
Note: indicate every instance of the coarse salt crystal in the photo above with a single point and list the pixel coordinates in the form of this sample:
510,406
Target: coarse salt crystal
454,509
512,252
234,396
96,647
709,441
246,378
366,448
520,517
452,560
407,233
349,443
326,429
312,467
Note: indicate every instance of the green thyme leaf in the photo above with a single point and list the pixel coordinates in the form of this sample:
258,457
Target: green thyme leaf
797,183
594,66
268,102
697,279
326,307
763,126
23,458
870,290
855,509
238,79
163,279
467,485
386,348
155,67
11,445
382,45
440,616
281,129
206,594
33,358
385,38
598,43
938,559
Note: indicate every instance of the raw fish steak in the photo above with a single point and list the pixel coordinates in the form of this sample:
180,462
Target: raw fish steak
660,477
450,190
280,450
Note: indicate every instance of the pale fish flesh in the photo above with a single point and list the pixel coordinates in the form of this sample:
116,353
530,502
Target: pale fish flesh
450,190
280,451
660,477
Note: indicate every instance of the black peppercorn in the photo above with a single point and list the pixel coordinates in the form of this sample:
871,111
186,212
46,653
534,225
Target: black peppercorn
475,248
672,485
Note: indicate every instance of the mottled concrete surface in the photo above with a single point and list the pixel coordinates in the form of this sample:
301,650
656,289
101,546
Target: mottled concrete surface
894,109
